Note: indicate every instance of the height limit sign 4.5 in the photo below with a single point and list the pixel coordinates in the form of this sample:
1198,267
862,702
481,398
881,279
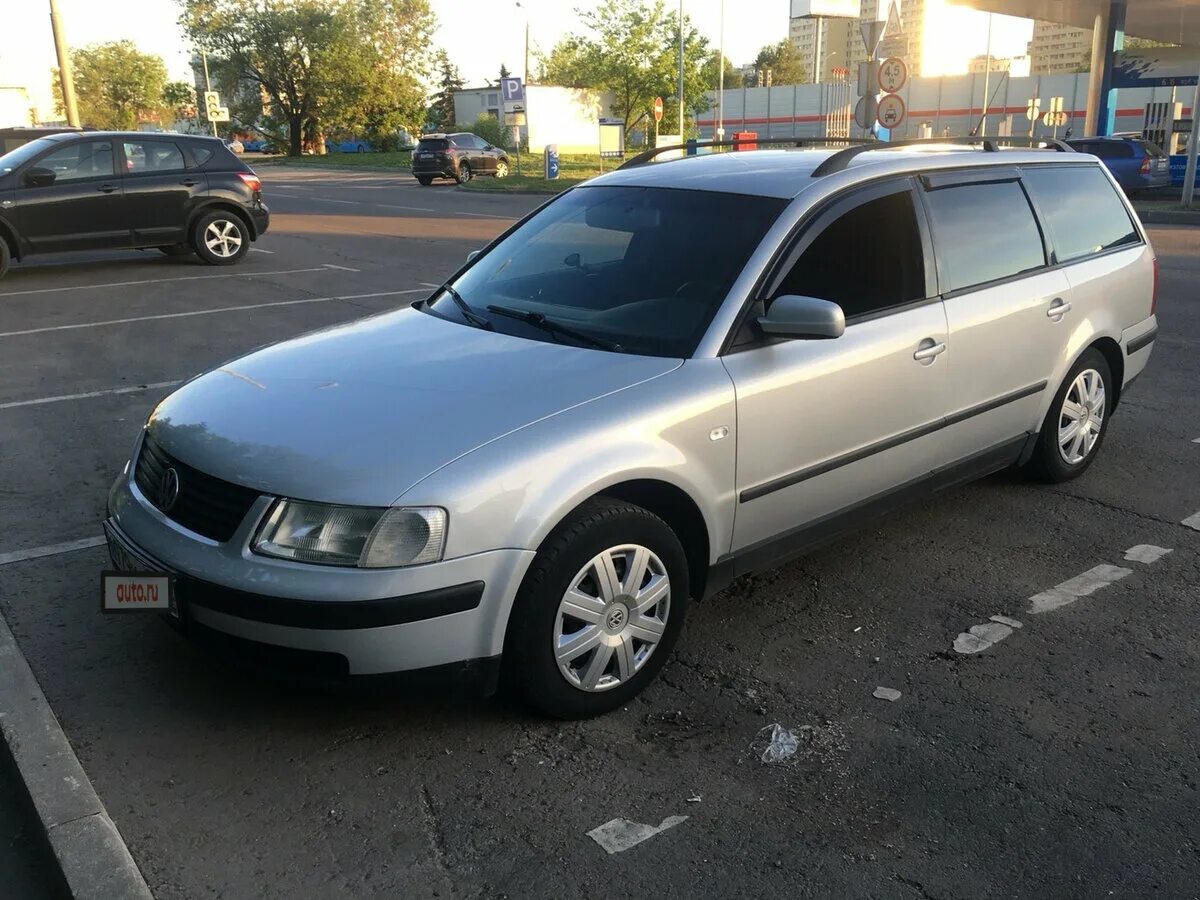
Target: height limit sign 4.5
893,75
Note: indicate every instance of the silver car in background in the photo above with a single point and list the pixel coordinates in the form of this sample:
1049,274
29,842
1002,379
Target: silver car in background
660,380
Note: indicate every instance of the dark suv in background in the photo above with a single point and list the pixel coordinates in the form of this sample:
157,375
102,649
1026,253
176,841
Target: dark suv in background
459,156
97,190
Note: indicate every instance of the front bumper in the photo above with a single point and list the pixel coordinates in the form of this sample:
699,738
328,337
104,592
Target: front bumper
381,621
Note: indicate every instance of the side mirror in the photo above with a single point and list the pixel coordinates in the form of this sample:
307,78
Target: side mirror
471,256
39,177
804,317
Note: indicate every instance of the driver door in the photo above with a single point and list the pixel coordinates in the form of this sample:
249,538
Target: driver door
84,207
828,427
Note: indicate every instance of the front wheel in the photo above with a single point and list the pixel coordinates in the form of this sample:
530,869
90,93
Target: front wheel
1075,426
464,172
221,238
599,611
502,169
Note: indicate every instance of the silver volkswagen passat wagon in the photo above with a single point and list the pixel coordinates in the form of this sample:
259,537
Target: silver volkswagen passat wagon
674,374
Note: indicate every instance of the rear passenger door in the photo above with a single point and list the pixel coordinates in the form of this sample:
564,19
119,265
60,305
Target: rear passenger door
159,190
1007,309
828,427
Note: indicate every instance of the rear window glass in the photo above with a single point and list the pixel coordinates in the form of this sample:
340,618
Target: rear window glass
1082,208
1150,149
1106,149
152,156
435,144
200,155
984,232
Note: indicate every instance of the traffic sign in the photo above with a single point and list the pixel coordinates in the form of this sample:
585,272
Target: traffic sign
213,110
1033,109
1054,119
871,32
893,74
658,109
864,111
891,111
512,90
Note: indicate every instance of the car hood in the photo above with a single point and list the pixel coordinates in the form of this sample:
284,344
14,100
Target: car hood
361,412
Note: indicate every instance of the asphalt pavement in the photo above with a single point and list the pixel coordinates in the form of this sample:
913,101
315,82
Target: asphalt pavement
1059,762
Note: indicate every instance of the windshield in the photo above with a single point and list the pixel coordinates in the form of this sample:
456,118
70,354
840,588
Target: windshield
14,158
641,268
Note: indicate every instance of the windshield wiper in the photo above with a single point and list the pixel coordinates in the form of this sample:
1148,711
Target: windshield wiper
537,320
469,314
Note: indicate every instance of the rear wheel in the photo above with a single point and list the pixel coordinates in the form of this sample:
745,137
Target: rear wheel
464,172
5,257
426,180
1077,421
599,611
221,238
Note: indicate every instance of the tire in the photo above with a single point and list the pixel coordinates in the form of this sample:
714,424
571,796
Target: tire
1056,460
362,149
612,662
464,172
5,257
502,168
214,238
176,250
426,180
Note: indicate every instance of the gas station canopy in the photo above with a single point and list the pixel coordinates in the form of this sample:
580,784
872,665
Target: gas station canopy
1173,21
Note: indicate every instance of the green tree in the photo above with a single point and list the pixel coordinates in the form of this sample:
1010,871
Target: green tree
487,127
631,51
116,85
179,99
356,65
441,113
784,63
710,72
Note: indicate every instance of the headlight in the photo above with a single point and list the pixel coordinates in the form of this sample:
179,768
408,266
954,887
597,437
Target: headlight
364,536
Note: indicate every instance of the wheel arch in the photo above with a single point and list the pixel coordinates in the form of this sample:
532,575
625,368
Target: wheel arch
9,235
1111,351
225,206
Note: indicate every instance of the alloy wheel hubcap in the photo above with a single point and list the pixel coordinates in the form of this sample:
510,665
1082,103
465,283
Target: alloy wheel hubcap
1081,417
501,170
612,617
223,238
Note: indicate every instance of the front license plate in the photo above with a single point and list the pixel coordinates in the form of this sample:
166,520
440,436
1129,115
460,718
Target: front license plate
133,591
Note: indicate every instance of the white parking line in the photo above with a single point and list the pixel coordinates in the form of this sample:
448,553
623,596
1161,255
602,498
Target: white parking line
1145,553
51,550
112,284
413,208
341,268
261,250
1192,521
1080,586
206,312
89,394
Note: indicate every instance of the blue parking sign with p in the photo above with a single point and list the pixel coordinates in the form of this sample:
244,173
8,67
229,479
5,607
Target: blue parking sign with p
513,90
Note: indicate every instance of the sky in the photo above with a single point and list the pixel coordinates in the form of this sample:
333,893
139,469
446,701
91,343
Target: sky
478,45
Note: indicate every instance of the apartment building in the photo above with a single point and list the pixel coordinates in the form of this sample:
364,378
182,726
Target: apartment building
837,41
1058,49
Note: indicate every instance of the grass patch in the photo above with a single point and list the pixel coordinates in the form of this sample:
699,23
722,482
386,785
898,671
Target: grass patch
400,159
572,169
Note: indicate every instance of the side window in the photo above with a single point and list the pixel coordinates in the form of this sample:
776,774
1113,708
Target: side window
80,160
984,232
152,156
200,155
1082,208
833,267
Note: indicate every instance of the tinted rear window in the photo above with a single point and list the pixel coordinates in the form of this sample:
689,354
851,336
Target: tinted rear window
1082,208
200,155
1105,149
435,144
1149,148
984,232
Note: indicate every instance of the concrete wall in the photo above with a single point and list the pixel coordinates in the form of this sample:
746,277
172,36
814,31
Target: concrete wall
14,107
568,117
952,105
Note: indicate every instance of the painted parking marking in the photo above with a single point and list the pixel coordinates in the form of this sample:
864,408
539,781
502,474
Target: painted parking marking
1145,553
206,312
619,835
413,208
1080,586
341,268
87,395
113,284
261,250
16,556
978,638
1192,521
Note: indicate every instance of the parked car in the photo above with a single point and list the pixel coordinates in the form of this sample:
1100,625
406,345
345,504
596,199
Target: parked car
670,376
351,145
459,156
1137,164
255,145
234,145
111,190
12,138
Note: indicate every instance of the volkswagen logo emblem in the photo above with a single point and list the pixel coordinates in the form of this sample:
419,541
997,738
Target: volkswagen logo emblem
168,490
616,619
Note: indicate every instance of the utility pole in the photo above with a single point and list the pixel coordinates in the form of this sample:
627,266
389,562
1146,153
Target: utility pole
720,132
65,75
987,80
207,85
681,71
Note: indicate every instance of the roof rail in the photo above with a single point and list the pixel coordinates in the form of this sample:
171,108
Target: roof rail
647,156
842,158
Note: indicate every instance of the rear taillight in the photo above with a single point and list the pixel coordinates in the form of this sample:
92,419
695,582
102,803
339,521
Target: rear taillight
252,181
1145,170
1154,296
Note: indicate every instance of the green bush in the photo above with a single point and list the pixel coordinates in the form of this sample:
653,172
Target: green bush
490,129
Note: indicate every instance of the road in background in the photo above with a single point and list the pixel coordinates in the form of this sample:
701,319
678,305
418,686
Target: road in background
1060,762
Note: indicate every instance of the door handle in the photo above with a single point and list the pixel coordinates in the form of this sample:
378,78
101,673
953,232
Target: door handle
928,350
1058,309
107,188
189,182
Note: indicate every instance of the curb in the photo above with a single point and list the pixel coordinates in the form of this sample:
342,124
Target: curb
89,851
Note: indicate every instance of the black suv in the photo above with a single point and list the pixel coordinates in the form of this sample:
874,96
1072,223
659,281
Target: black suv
459,156
110,190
